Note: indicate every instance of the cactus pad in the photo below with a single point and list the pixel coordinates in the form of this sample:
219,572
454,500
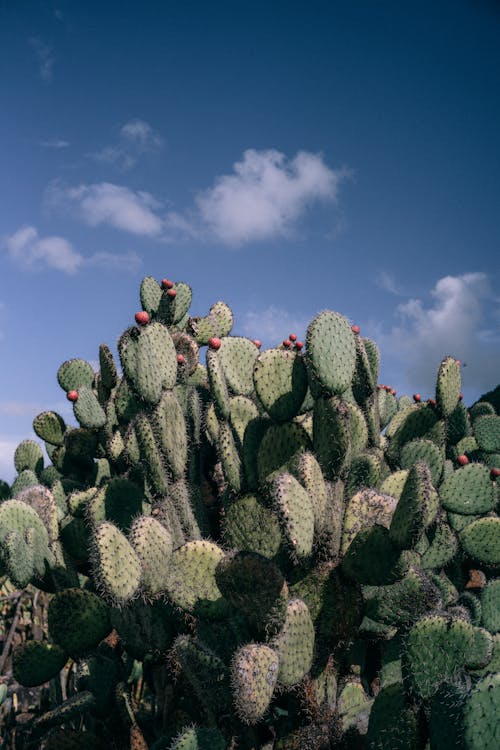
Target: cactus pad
468,490
331,351
448,386
36,662
78,620
280,379
254,672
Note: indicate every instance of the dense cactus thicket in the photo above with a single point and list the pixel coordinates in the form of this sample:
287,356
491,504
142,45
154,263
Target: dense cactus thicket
270,550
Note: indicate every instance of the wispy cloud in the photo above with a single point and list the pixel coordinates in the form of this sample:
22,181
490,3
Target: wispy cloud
27,249
264,198
135,139
32,252
460,319
265,195
45,58
388,283
105,203
55,143
273,324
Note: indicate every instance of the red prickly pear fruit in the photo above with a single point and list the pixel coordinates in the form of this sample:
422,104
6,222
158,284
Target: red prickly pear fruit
299,345
387,388
171,293
214,343
417,397
393,391
432,401
462,460
458,362
72,396
257,343
293,337
142,318
180,359
355,329
495,472
167,284
460,397
287,343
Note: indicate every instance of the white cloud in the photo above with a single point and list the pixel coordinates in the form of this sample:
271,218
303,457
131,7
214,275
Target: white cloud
135,139
56,143
8,447
30,251
454,323
265,195
272,325
388,283
108,204
45,59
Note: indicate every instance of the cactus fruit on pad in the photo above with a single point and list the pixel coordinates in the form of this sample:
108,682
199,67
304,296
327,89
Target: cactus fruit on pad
436,652
295,644
78,621
481,712
191,580
481,540
254,672
280,379
331,351
468,490
36,662
448,386
295,513
117,567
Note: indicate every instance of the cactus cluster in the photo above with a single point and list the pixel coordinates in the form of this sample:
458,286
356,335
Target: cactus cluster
282,552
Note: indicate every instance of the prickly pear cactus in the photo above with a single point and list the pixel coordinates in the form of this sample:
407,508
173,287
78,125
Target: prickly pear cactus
270,550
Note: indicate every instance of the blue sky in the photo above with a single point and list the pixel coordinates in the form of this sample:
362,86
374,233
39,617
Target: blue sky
286,157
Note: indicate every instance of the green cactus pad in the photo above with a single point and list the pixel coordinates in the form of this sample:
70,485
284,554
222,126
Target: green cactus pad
242,412
435,652
448,386
218,384
443,546
413,422
153,546
386,734
364,471
295,512
254,585
353,708
458,425
24,541
50,427
144,628
363,384
468,490
490,605
237,356
487,433
171,310
117,567
150,294
42,501
403,602
109,375
279,443
229,456
482,650
156,362
249,525
119,501
295,644
307,471
78,620
254,672
205,672
394,483
331,351
387,407
196,738
481,711
331,435
170,427
28,455
153,460
408,521
87,409
36,662
366,508
372,559
280,379
191,577
481,540
74,374
423,450
127,405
